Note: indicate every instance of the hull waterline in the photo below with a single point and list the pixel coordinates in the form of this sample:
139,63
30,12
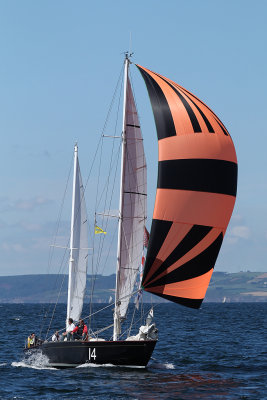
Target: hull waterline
73,354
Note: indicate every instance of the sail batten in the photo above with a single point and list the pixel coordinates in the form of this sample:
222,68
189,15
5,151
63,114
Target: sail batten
196,190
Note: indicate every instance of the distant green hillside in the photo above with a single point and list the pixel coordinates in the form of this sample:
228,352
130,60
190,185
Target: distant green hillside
237,287
50,288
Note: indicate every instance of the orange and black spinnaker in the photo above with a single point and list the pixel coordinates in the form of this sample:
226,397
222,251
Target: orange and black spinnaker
196,191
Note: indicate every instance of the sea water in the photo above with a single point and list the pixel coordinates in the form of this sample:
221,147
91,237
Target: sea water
217,352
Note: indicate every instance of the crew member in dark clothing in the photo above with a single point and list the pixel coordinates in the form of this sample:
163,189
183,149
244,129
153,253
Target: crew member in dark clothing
80,331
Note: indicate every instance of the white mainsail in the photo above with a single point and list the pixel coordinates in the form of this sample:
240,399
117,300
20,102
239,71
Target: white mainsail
78,246
133,207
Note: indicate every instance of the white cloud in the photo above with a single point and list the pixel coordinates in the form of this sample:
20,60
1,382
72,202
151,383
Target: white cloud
31,203
41,243
13,247
24,204
240,231
31,227
237,218
231,240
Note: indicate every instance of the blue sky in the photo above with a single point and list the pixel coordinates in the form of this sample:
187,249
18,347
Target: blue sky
60,62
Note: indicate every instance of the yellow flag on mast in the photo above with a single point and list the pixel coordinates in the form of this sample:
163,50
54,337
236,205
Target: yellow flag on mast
99,230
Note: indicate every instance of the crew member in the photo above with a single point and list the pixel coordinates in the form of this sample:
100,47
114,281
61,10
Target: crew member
69,329
31,340
80,331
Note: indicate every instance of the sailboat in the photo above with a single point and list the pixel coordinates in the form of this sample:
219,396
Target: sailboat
195,197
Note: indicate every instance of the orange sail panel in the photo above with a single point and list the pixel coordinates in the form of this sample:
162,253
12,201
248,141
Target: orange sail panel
196,191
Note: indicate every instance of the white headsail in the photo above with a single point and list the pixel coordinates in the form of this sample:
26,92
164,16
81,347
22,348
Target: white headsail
78,246
133,207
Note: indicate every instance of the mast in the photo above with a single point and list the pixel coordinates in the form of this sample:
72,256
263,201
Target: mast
71,259
123,148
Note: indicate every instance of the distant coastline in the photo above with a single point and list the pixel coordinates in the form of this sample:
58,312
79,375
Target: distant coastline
224,288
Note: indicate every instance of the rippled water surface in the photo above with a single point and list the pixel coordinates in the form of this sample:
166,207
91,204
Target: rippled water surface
218,352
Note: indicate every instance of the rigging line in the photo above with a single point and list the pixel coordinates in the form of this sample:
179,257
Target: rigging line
51,252
132,321
100,139
114,165
63,258
104,128
92,260
101,149
101,136
96,199
102,239
98,176
105,124
103,329
115,130
60,214
63,261
100,247
106,190
138,321
104,308
109,305
110,246
129,328
106,120
90,171
55,307
112,150
99,143
106,187
113,98
92,269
